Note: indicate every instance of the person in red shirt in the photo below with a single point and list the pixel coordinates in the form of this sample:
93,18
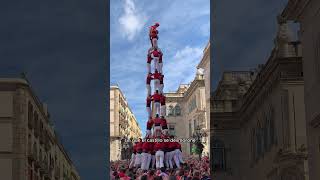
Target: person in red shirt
178,154
148,105
133,155
137,162
156,77
153,153
171,151
162,104
156,98
148,81
159,147
166,142
149,59
146,153
153,34
164,125
155,55
161,86
157,125
149,125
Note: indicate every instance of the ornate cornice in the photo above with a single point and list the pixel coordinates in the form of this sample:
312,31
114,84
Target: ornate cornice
294,9
274,72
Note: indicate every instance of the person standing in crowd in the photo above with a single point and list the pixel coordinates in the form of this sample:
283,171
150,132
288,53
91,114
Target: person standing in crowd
137,162
145,153
133,155
158,146
171,151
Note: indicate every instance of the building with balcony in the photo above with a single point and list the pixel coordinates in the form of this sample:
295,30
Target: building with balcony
123,125
258,117
187,107
29,146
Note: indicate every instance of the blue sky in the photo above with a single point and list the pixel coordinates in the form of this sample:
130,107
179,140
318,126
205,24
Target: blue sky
183,33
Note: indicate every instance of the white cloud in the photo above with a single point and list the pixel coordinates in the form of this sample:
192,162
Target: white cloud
132,21
182,67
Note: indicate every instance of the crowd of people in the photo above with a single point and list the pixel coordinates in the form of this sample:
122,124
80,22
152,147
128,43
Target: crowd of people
192,169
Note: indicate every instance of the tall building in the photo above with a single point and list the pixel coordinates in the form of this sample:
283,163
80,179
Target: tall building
259,129
29,146
188,106
306,12
123,126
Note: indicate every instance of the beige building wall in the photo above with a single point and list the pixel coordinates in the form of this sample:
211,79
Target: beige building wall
191,103
123,123
259,120
306,12
29,147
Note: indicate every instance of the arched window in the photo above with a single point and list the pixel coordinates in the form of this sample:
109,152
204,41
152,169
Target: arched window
178,110
170,111
218,155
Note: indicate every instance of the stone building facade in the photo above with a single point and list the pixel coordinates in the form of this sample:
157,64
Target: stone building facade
307,13
188,106
29,146
259,127
123,125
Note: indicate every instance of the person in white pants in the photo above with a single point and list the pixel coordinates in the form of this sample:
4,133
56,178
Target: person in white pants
157,125
156,78
159,154
137,162
155,55
156,98
171,151
153,34
133,156
145,163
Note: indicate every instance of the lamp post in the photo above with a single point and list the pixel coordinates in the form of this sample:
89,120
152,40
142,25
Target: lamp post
198,134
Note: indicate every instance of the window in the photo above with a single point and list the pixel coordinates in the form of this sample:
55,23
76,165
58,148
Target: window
218,155
170,111
253,145
171,130
259,140
178,110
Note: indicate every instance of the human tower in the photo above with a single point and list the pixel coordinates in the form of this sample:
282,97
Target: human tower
157,149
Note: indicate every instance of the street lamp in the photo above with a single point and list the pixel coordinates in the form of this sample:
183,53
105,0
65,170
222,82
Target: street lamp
198,134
